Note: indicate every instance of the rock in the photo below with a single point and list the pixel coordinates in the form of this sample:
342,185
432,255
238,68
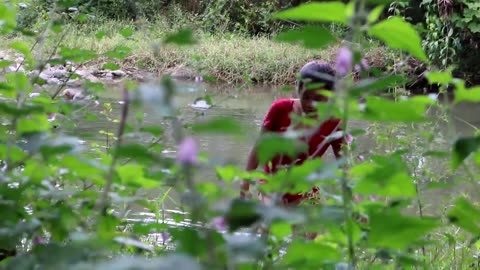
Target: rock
92,78
98,73
60,74
108,75
82,73
73,94
74,83
19,60
119,73
45,76
182,72
32,74
53,81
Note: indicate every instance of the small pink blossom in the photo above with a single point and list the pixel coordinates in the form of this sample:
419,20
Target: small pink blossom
343,63
220,223
361,157
187,152
349,139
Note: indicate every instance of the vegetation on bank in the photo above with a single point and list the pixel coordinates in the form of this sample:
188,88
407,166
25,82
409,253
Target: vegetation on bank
226,57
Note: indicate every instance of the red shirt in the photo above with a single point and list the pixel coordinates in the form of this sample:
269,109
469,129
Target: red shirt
278,120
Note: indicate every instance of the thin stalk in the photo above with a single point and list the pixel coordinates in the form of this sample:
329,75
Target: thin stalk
102,203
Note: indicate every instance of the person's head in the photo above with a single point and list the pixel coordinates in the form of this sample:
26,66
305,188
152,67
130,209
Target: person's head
314,76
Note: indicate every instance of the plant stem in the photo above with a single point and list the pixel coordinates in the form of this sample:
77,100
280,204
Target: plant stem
102,204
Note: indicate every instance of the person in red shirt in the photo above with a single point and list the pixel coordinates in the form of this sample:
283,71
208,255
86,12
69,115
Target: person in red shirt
279,118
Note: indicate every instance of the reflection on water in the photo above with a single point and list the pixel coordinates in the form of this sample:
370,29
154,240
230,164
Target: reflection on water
248,106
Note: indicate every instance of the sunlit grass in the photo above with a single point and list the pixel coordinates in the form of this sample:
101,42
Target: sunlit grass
227,57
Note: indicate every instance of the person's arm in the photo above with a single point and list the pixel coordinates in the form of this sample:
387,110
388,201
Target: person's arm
252,162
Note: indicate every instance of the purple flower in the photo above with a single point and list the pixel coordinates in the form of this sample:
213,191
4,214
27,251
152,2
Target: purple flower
165,237
220,223
343,63
187,152
361,157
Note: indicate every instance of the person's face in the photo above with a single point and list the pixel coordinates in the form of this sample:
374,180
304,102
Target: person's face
309,98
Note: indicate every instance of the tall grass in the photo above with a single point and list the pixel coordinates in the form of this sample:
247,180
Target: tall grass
225,56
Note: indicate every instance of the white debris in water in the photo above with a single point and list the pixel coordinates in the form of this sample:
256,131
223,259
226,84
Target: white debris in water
201,104
433,96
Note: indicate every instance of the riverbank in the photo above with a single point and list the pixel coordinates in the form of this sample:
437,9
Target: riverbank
228,58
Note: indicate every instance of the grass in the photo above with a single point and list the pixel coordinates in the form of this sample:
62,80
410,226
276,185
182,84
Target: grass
230,58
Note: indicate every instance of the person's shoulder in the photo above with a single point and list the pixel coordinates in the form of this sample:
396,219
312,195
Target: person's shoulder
282,103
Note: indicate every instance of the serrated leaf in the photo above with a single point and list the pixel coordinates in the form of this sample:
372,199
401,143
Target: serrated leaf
316,12
465,215
311,37
399,34
384,176
390,229
462,148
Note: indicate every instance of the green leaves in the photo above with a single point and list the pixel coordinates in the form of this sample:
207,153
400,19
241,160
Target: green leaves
390,229
311,37
182,37
316,12
220,124
267,147
132,174
469,95
111,66
398,34
119,52
7,17
373,85
77,55
380,109
310,255
462,148
34,123
25,50
241,214
465,215
126,32
385,176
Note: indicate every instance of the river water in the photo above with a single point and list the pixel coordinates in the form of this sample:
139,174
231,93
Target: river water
249,105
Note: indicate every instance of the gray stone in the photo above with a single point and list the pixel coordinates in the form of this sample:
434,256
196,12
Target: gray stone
119,73
73,94
54,81
74,83
59,74
45,76
92,78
